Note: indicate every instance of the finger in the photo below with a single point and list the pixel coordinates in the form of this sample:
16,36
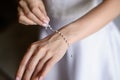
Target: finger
24,7
43,10
24,62
45,14
37,11
42,7
23,19
39,53
20,11
26,21
47,67
40,15
29,14
40,65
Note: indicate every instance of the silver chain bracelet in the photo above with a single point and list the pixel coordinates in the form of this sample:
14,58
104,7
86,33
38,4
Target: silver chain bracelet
61,34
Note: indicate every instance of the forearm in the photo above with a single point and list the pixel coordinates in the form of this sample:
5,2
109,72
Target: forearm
92,21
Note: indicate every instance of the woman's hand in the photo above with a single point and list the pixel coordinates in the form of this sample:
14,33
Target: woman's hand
32,12
41,57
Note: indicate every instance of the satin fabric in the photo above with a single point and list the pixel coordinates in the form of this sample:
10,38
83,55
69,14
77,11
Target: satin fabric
96,57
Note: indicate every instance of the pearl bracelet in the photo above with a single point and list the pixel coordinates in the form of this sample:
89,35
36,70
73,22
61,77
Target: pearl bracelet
61,34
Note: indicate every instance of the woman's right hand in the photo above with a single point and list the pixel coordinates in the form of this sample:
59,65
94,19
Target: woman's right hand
32,12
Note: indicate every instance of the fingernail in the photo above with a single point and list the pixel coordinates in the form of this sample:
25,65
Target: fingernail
17,78
45,25
46,21
41,78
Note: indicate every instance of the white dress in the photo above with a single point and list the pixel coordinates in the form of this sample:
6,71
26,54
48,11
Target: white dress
96,57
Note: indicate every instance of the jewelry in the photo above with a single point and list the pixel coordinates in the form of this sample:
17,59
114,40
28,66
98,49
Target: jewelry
61,34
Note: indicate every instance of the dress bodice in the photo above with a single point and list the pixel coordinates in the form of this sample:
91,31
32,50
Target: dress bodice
66,11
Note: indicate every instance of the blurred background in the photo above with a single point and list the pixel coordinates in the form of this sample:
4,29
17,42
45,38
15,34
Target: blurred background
15,38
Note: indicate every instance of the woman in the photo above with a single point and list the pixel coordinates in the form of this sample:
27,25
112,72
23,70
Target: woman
86,26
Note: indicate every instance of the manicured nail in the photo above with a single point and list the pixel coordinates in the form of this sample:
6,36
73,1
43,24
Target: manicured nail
45,25
46,21
41,78
17,78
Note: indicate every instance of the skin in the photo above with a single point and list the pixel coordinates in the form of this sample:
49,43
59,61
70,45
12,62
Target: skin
41,56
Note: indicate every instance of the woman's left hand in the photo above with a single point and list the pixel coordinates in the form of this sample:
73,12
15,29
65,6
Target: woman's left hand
41,57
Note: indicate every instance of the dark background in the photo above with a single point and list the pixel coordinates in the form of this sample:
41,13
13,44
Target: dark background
14,39
8,12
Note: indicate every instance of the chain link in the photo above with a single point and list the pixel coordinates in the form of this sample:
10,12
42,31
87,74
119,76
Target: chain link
61,34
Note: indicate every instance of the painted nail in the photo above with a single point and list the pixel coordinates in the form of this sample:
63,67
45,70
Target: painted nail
41,78
45,25
46,21
17,78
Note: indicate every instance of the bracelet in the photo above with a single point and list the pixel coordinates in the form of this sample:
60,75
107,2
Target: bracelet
61,34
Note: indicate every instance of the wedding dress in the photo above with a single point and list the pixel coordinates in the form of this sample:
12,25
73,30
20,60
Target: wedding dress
96,57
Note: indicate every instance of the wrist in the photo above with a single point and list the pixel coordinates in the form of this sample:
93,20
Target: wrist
69,32
57,38
59,33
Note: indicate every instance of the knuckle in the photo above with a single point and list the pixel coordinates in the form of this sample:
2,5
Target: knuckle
28,14
20,2
48,54
40,48
33,45
30,68
22,64
20,19
34,9
32,5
